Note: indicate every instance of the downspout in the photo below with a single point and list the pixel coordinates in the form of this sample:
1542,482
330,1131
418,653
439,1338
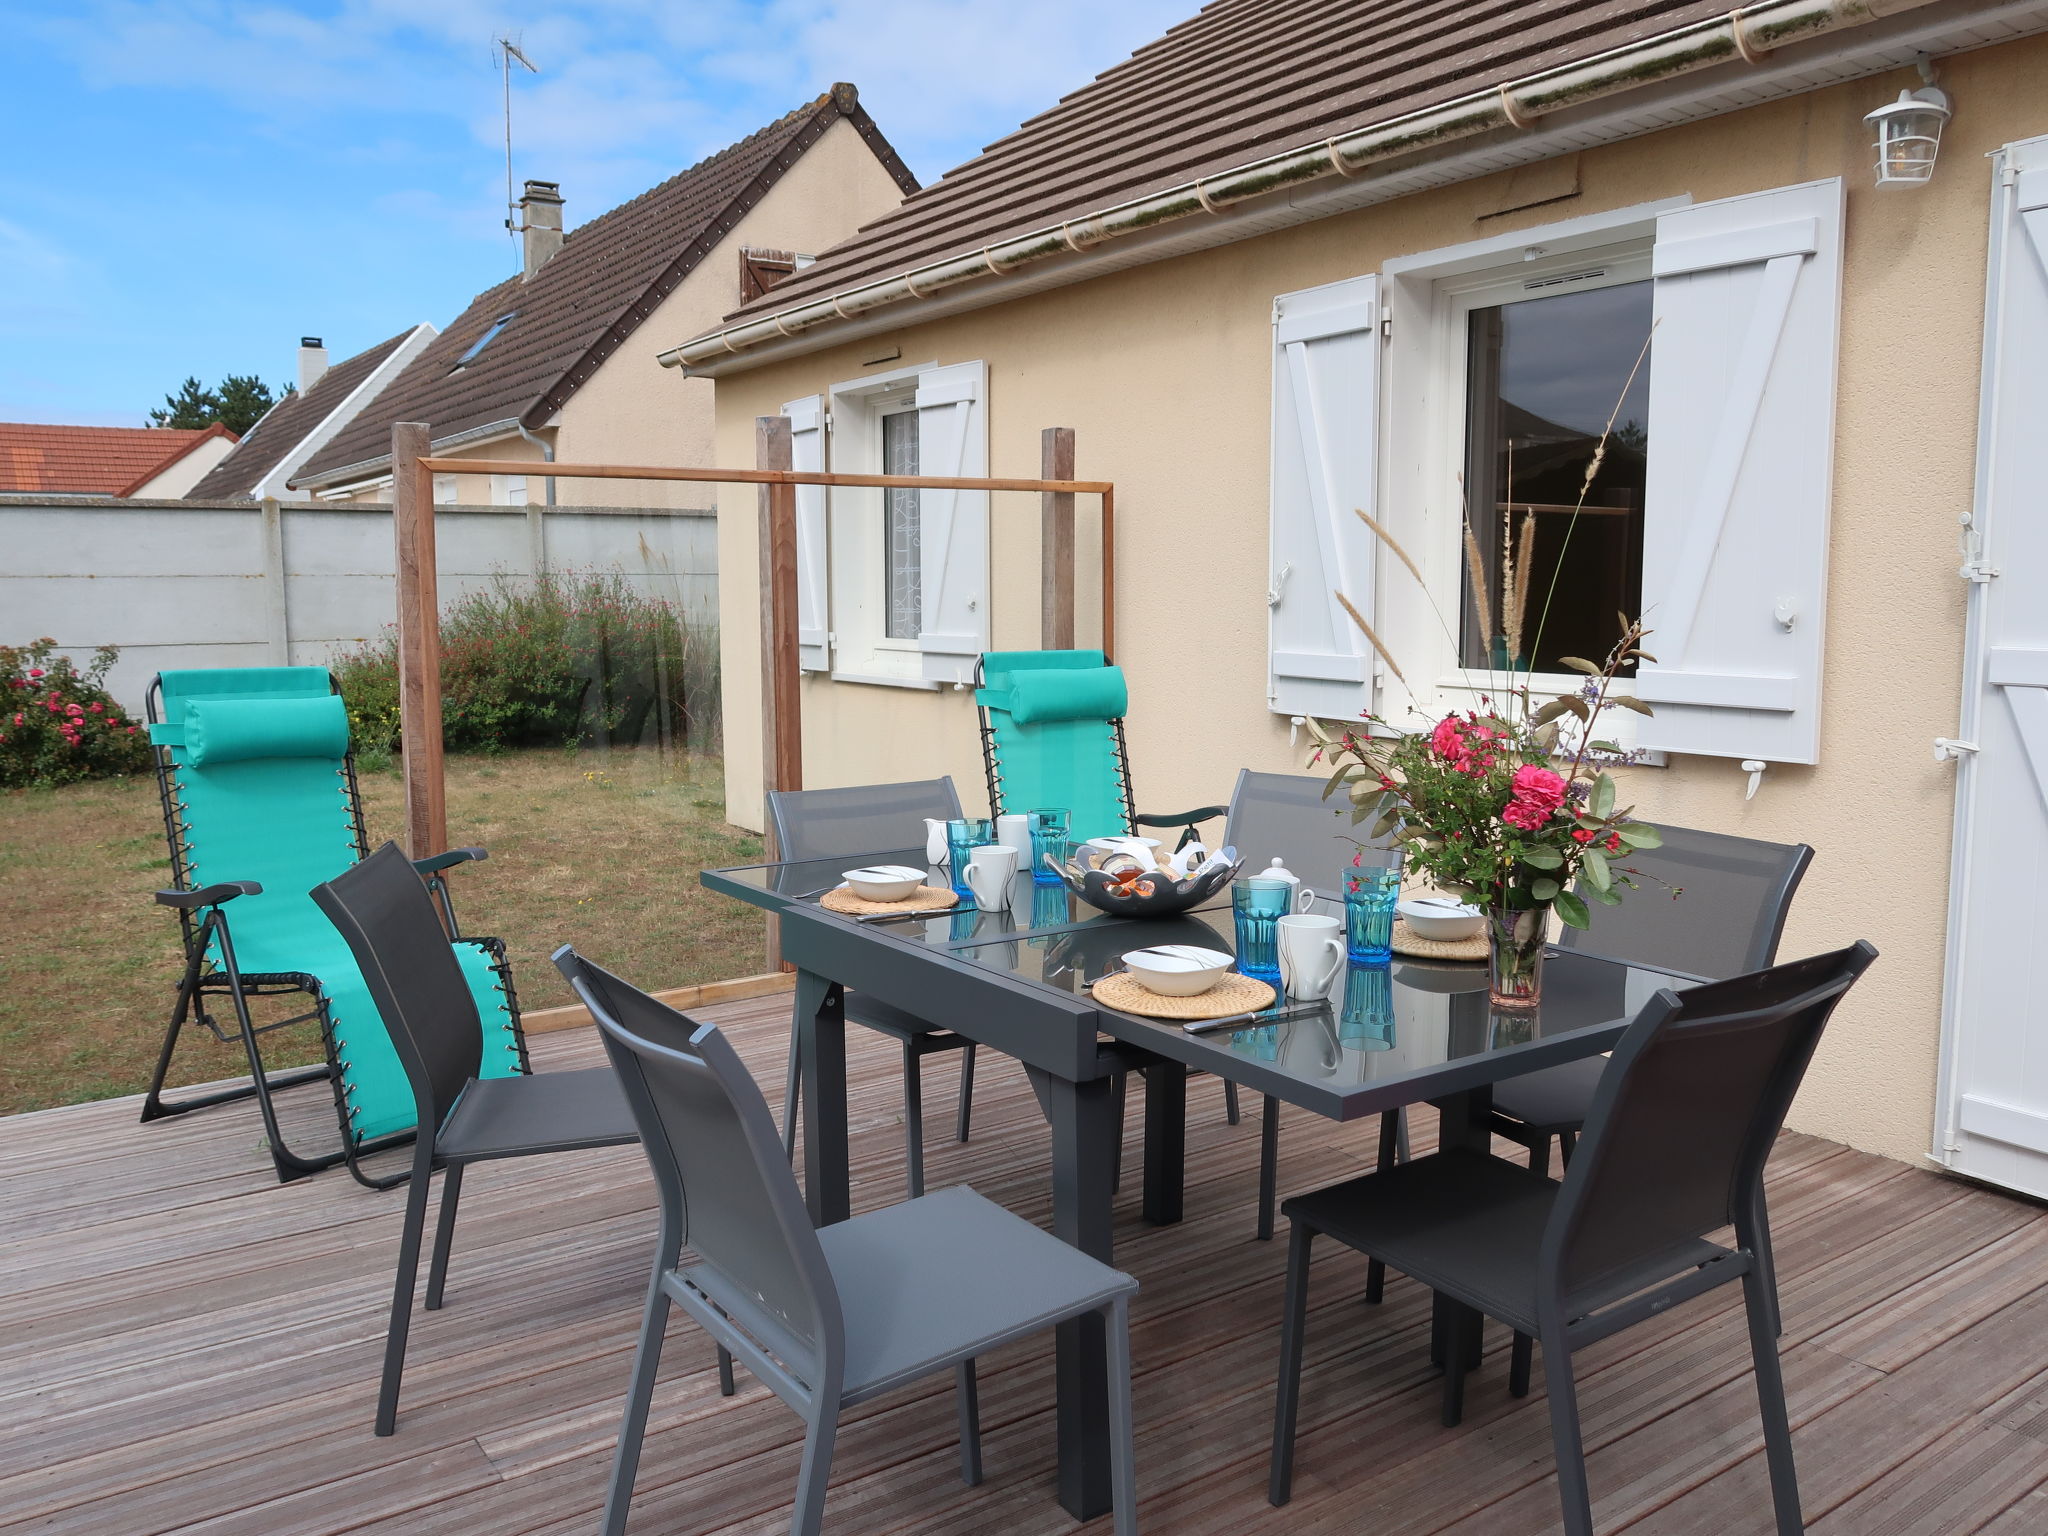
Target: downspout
1746,34
547,456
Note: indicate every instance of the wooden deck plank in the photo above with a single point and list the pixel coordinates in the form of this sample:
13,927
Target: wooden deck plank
190,1346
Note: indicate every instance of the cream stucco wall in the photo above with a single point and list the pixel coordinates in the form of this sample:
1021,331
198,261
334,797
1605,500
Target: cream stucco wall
632,411
180,475
1164,373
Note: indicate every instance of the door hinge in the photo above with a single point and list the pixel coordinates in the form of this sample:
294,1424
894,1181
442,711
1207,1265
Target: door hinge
1970,543
825,421
1946,750
1386,325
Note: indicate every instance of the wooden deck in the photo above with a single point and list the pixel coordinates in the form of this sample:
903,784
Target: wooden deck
186,1345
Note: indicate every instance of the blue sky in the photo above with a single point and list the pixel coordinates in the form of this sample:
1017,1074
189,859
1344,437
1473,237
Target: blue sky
193,184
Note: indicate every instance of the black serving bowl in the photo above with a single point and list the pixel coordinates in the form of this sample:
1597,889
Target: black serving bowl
1157,894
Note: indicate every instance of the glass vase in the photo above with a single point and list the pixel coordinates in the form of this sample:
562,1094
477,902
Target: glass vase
1515,955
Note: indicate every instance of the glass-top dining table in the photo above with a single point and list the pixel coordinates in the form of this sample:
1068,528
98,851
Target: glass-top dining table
1018,981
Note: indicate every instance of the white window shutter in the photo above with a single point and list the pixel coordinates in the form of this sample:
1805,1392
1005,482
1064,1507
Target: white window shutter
952,441
1735,538
813,602
1326,363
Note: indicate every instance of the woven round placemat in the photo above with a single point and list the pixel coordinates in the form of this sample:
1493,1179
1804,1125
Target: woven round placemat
1235,993
1408,942
926,898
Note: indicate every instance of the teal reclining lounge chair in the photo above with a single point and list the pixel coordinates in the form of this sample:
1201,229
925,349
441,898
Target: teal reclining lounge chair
1052,734
260,805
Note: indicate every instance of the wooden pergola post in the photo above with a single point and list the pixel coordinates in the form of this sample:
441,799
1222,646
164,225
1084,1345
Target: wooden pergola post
782,743
1056,541
419,640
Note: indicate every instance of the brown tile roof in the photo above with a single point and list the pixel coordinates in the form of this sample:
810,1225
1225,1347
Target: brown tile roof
1240,80
285,425
96,461
592,294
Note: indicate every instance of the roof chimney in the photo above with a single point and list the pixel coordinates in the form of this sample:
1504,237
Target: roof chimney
312,362
540,223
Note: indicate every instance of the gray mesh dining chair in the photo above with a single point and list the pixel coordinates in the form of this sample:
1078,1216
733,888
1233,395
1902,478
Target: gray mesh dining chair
384,911
1673,1150
827,1317
846,823
1286,816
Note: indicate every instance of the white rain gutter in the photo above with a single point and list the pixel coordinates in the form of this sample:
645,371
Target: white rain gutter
1746,34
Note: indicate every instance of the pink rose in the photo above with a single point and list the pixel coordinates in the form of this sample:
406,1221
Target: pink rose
35,671
99,709
73,709
1535,795
1447,741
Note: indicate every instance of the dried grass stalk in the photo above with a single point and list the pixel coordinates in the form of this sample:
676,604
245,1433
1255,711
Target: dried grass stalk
1366,630
1475,571
1517,600
1392,543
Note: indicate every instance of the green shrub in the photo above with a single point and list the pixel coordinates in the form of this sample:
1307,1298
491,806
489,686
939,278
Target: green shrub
550,660
58,725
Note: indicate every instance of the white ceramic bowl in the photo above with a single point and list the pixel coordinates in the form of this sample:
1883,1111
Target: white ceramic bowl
1442,921
1177,970
883,882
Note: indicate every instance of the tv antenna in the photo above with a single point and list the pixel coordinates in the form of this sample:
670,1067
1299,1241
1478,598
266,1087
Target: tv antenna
508,50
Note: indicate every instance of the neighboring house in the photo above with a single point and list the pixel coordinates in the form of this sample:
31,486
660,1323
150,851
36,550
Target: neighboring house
306,420
108,461
1292,260
554,361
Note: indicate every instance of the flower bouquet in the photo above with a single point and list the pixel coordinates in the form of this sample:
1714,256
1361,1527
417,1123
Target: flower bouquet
1491,808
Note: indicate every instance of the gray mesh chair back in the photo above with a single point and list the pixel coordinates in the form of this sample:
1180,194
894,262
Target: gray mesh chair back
1737,891
726,1192
1284,816
383,909
1686,1114
861,818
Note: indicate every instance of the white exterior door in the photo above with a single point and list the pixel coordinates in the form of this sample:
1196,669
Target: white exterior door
1993,1120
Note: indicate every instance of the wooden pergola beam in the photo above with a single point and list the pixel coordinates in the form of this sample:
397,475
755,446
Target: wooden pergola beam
419,640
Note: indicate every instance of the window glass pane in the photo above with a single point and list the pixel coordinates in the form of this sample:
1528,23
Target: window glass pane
903,550
1562,555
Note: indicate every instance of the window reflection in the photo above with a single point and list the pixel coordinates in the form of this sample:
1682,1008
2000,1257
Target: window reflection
1544,375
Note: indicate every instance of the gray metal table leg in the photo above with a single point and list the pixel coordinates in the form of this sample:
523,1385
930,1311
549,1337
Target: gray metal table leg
1461,1122
1083,1123
1166,1141
821,1042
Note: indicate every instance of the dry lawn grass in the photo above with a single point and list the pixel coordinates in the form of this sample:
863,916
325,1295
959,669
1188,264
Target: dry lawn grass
599,851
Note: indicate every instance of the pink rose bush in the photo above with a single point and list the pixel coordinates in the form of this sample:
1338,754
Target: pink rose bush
80,732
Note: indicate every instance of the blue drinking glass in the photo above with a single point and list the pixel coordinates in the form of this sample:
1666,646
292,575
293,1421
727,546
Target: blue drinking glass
1367,1022
1369,898
1258,906
1048,841
964,834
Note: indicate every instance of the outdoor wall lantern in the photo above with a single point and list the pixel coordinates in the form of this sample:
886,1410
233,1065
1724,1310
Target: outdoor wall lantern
1909,133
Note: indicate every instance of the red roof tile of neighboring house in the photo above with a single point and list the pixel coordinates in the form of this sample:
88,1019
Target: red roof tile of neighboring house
94,461
588,297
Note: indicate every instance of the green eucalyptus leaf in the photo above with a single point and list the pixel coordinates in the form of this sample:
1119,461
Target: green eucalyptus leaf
1630,701
1640,834
1602,802
1545,889
1572,911
1554,710
1594,863
1543,858
1607,898
1579,664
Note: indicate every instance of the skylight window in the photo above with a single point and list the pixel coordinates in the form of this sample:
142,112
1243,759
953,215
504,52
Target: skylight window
481,342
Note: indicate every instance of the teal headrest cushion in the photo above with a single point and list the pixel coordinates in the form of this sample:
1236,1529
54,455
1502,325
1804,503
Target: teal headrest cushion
1091,693
237,730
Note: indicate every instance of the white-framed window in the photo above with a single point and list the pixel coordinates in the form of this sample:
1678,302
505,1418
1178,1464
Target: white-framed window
892,583
444,490
1460,397
508,491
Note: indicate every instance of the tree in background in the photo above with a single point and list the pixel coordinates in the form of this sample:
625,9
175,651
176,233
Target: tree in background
237,403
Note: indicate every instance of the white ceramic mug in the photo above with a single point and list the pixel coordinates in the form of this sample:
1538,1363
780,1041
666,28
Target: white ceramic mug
1014,831
1311,955
934,843
990,869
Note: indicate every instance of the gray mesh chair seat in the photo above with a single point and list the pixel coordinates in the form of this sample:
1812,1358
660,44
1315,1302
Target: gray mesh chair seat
1674,1149
824,1317
383,911
1286,816
849,823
